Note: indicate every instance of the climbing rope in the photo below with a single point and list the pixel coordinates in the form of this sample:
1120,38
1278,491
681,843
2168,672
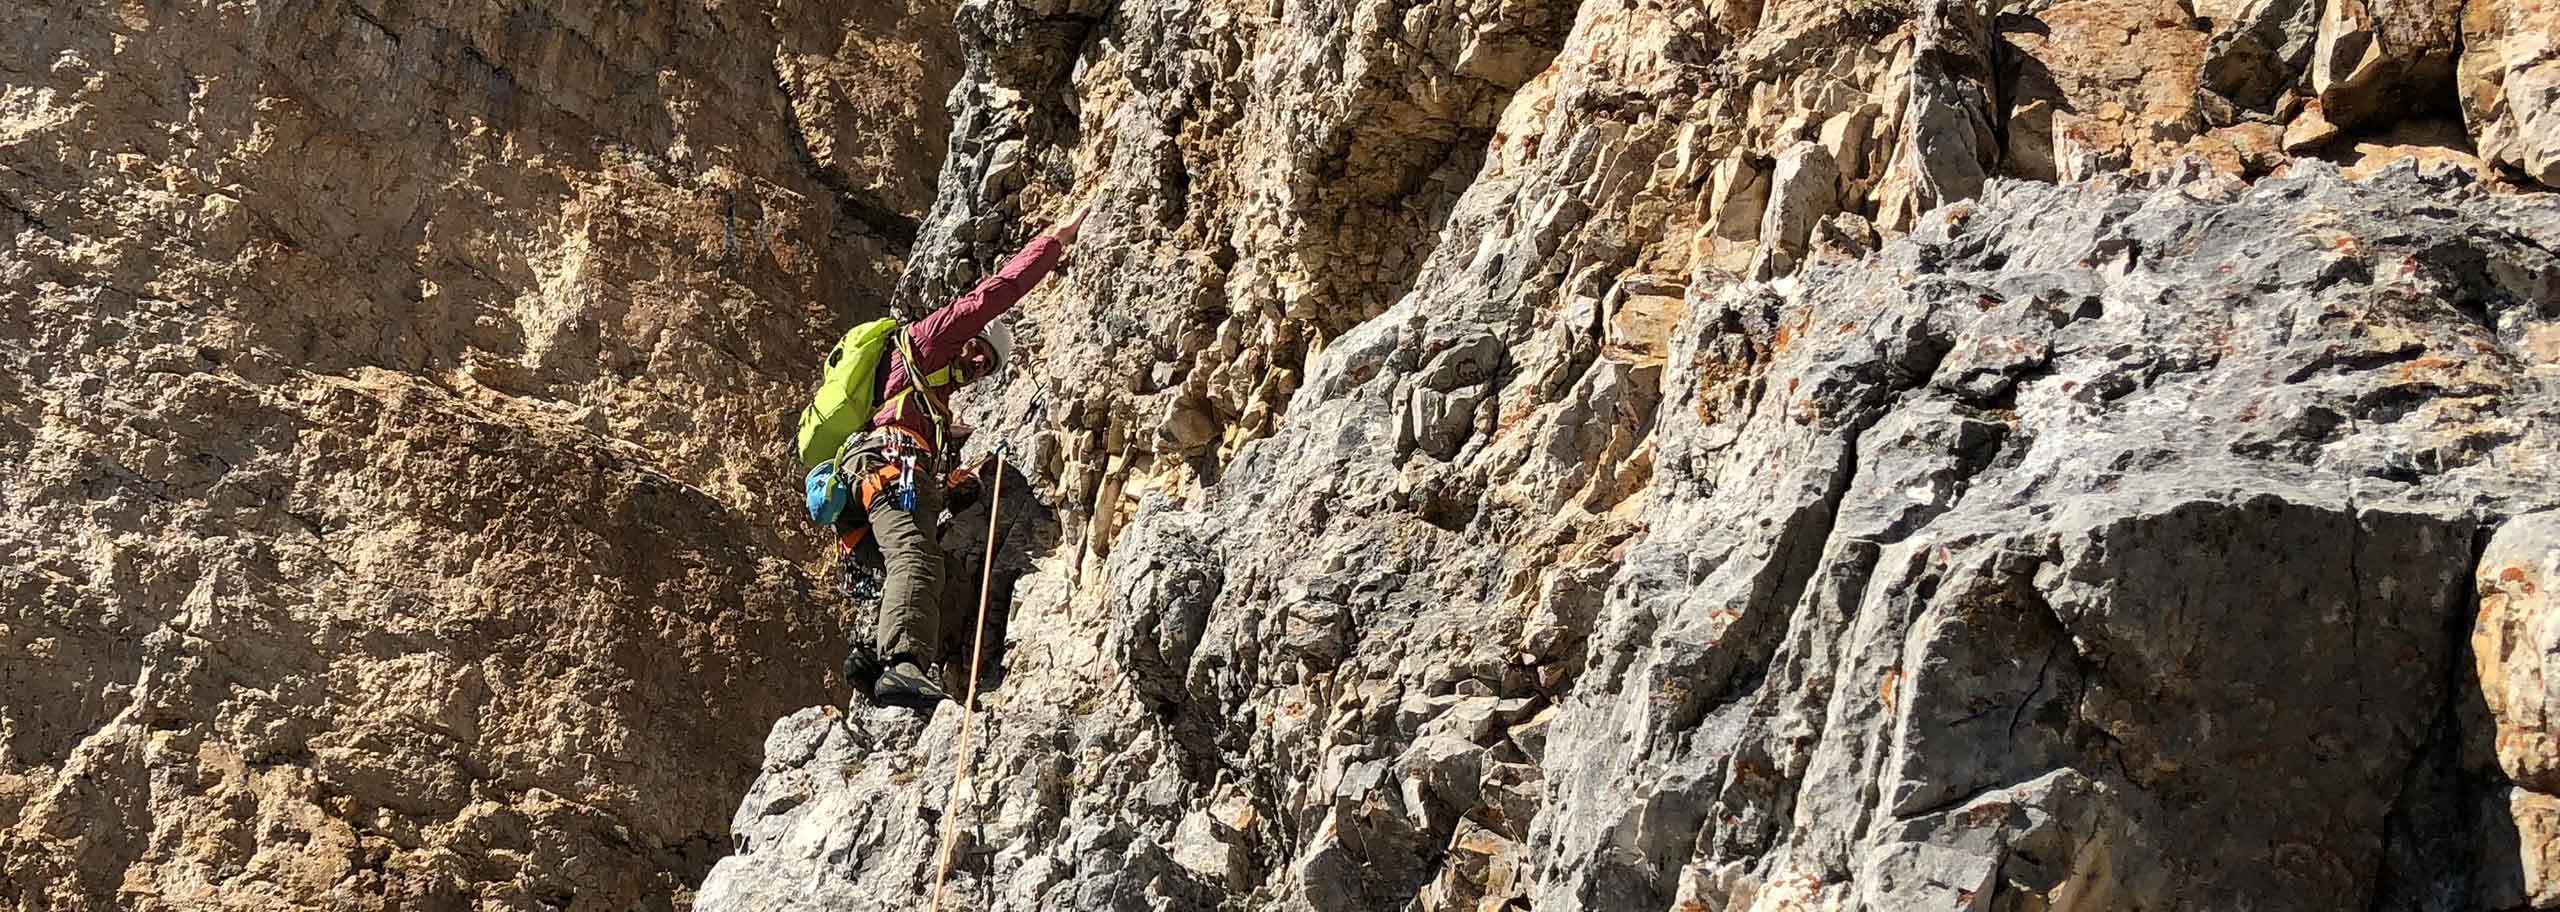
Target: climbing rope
965,762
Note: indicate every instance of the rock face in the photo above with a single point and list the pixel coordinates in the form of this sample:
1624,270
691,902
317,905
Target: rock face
1612,525
388,395
1485,454
2106,546
2513,645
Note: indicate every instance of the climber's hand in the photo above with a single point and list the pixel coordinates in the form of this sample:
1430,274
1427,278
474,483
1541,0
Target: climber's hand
1065,232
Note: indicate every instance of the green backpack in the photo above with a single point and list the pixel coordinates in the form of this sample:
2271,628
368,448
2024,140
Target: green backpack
850,393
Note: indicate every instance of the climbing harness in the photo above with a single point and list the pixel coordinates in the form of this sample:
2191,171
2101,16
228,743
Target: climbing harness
964,763
884,463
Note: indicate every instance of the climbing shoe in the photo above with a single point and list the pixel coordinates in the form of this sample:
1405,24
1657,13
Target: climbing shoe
861,668
908,686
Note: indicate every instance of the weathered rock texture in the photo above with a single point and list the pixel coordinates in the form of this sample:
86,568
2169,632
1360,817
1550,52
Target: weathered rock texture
1485,454
388,401
2095,547
1702,463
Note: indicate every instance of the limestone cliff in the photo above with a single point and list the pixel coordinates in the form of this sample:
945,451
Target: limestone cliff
388,396
1514,455
2102,547
1485,454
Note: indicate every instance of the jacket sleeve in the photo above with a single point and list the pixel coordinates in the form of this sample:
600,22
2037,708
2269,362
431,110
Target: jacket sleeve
940,335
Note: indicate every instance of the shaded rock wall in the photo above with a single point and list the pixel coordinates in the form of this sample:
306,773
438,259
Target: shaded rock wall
390,401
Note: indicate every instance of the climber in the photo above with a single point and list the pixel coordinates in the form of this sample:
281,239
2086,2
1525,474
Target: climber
901,466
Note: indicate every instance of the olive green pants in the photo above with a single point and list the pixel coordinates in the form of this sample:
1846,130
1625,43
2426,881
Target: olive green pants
911,591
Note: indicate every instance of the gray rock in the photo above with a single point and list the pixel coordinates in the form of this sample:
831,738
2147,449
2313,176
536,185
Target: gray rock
1804,191
2096,541
1165,580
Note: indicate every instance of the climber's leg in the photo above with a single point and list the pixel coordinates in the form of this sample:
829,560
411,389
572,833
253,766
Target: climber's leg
911,596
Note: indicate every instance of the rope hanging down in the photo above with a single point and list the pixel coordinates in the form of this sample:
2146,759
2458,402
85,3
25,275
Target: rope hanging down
965,762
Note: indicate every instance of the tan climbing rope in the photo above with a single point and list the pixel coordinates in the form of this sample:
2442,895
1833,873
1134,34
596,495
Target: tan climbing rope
962,762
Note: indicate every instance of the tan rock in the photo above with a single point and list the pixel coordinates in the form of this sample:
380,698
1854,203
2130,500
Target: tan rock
2125,69
2259,145
1187,425
1210,851
1641,322
2309,131
1738,194
1741,193
2516,648
2377,61
2509,76
1845,137
2432,143
2520,853
403,531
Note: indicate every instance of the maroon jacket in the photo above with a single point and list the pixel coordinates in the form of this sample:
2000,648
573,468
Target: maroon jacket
938,337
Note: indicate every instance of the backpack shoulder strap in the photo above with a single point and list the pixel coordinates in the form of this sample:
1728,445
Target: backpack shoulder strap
918,380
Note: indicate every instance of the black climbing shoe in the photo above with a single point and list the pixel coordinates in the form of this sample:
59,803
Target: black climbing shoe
907,686
861,668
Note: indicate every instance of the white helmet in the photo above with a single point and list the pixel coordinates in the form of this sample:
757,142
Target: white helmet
999,339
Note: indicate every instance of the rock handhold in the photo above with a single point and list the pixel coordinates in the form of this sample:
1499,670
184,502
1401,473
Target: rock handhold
1804,190
2516,648
2309,130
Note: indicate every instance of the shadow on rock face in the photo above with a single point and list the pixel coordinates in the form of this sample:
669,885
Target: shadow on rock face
1026,531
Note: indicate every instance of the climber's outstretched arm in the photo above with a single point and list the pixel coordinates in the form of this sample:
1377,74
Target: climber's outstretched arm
939,337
